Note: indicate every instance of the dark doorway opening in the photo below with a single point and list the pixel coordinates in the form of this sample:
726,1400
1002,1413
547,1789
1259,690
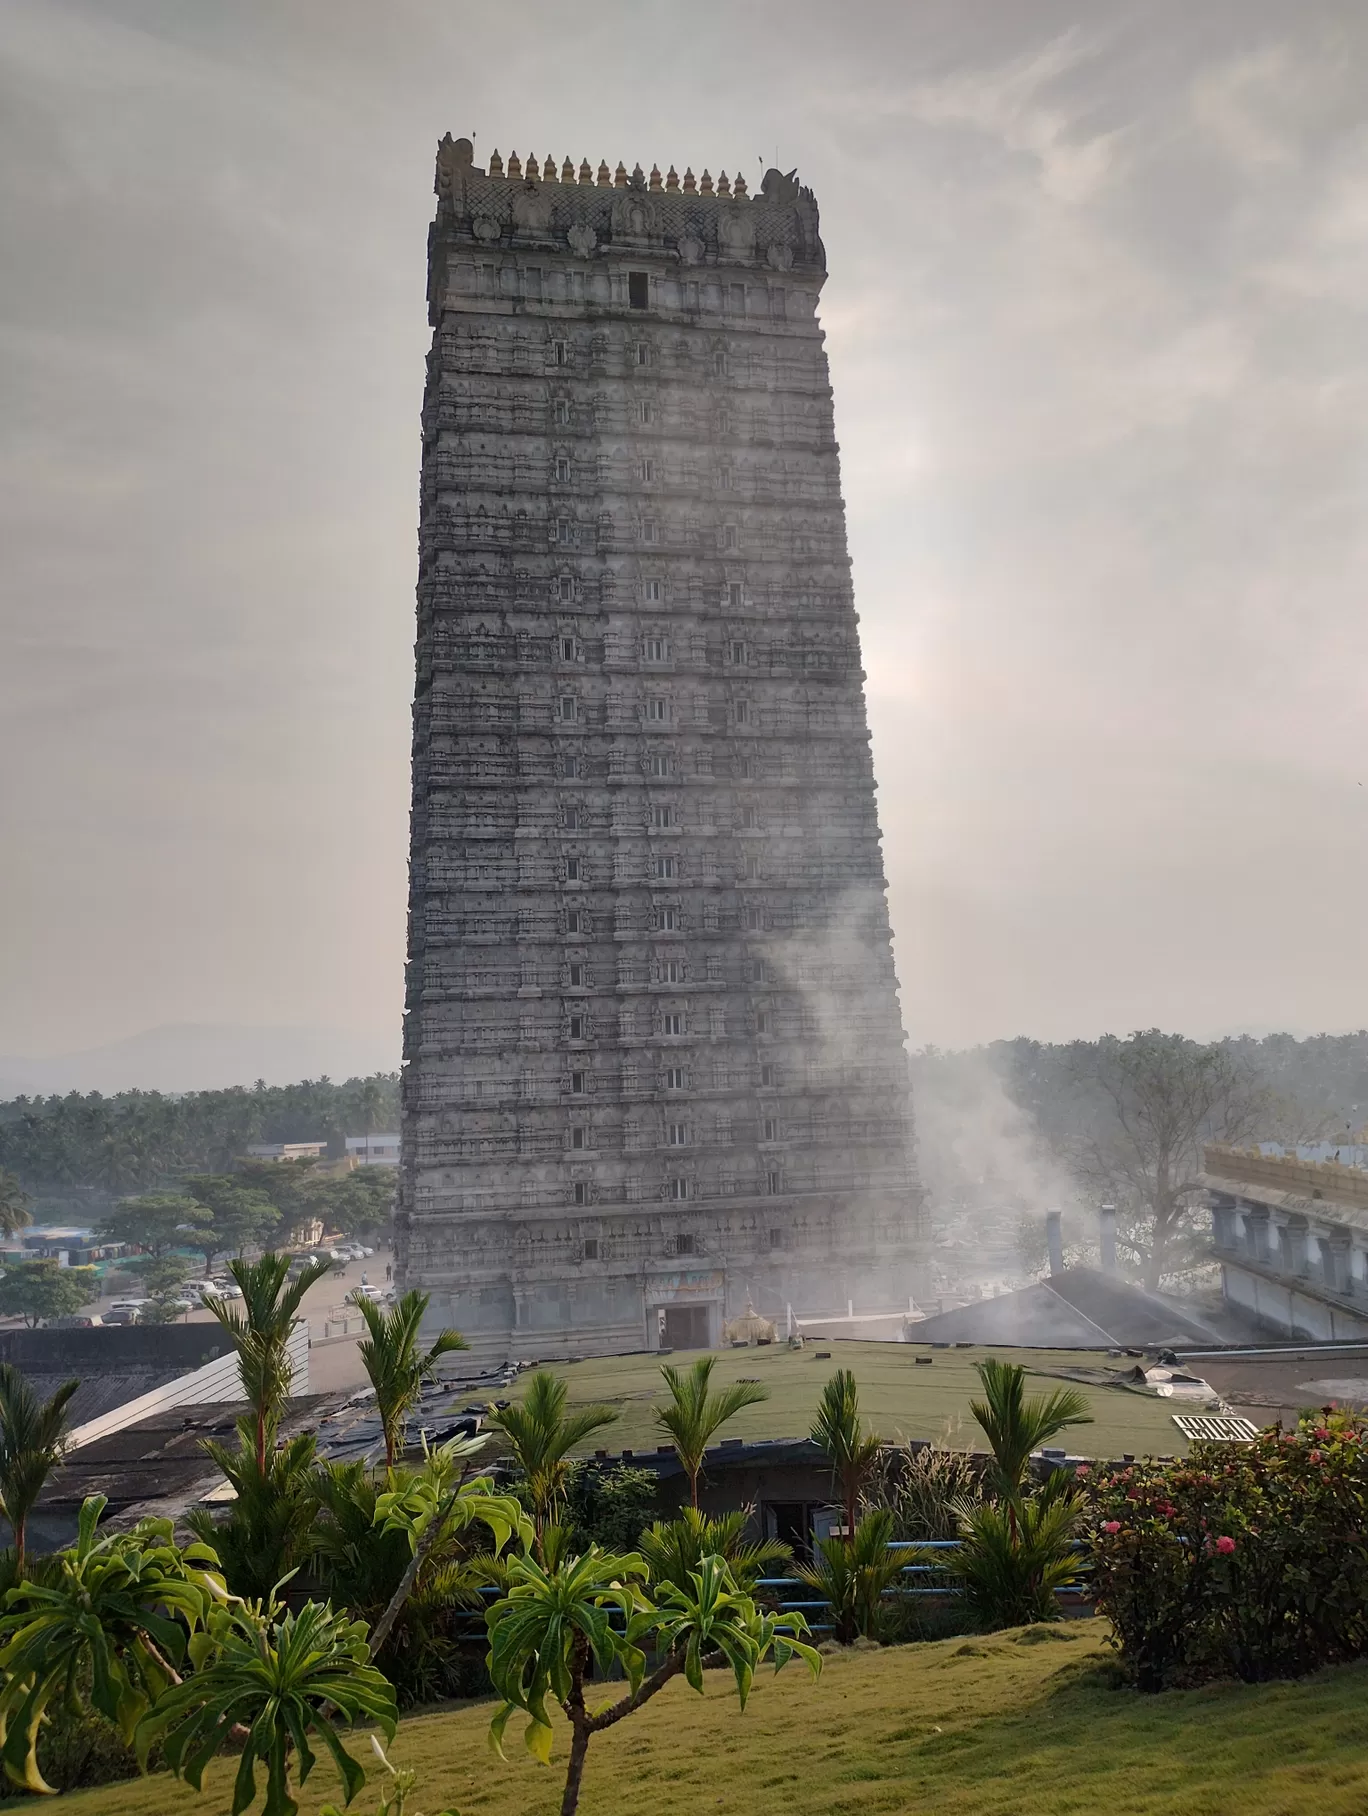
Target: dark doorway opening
686,1327
790,1521
639,289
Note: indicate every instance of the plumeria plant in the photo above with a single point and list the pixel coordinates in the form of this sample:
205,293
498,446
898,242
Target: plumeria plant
566,1619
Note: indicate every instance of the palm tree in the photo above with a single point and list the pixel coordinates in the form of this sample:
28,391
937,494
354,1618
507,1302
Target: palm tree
694,1414
1015,1425
260,1333
674,1549
1011,1560
267,1530
14,1202
541,1435
31,1442
840,1431
397,1367
852,1571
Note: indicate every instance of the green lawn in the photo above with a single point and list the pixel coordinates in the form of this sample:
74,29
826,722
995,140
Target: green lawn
1020,1724
898,1397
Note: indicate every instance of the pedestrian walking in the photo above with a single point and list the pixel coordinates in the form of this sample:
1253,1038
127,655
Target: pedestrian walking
389,1273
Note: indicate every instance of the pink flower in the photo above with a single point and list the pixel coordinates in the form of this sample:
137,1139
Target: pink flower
1314,1457
1082,1470
1111,1526
1225,1546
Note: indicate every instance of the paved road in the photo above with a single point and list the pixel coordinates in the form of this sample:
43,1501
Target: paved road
334,1326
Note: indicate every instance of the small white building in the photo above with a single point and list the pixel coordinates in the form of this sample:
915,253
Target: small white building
373,1150
287,1150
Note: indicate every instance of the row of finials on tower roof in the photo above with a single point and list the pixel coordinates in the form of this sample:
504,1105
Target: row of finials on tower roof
619,179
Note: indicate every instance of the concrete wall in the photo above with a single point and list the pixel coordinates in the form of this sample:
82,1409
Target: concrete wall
1288,1308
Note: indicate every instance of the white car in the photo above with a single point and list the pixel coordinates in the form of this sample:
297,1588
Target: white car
225,1289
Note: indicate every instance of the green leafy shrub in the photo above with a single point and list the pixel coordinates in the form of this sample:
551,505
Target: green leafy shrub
77,1749
609,1508
675,1549
1248,1561
928,1489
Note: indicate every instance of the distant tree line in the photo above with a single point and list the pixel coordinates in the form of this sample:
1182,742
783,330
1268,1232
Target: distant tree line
81,1148
1125,1121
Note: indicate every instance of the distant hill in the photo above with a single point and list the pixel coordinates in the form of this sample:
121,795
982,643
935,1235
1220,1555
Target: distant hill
203,1056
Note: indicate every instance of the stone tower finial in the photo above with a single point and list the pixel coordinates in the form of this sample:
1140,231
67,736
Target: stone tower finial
568,171
586,174
705,187
514,164
620,176
723,186
495,164
549,169
739,187
605,178
690,181
672,178
655,176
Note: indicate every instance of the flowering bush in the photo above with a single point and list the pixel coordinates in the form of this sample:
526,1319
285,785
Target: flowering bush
1248,1560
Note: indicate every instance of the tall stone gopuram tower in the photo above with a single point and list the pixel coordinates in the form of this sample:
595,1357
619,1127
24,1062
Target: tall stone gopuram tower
653,1053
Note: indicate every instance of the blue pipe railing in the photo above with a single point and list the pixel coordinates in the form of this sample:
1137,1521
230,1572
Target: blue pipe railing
797,1604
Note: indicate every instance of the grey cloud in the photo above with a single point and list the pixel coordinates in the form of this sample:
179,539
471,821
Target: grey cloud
1095,322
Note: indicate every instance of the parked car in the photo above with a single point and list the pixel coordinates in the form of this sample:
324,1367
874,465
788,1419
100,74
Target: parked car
225,1289
76,1321
126,1311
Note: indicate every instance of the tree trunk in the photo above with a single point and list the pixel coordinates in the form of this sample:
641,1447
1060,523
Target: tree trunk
579,1748
20,1527
381,1631
629,1705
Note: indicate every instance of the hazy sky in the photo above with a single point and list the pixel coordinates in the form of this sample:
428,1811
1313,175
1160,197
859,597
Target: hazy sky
1097,334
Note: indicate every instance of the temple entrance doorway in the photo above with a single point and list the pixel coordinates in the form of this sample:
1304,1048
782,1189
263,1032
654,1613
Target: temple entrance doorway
684,1327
